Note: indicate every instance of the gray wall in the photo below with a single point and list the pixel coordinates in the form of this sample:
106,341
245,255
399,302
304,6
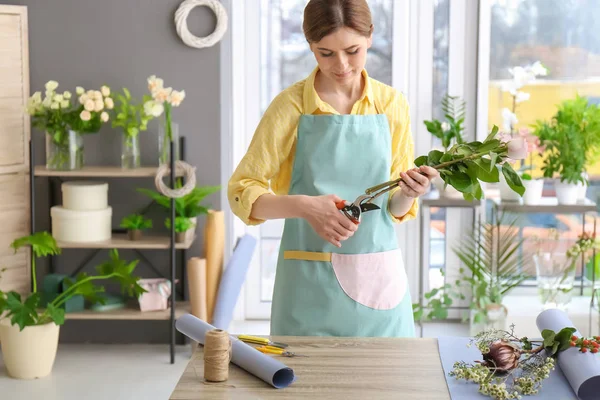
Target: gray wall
120,43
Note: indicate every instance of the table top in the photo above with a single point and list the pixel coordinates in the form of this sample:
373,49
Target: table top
337,368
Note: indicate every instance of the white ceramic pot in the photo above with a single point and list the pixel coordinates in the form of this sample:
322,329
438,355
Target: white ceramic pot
506,193
582,188
449,192
533,191
566,193
30,353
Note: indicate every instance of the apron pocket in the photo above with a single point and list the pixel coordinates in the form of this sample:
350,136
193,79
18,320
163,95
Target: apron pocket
375,280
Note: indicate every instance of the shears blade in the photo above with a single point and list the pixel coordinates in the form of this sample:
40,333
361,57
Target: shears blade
364,207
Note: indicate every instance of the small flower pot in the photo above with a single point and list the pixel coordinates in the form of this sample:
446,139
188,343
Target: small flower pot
134,234
180,237
566,193
533,191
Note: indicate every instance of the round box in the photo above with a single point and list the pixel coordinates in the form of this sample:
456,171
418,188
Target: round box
85,195
76,226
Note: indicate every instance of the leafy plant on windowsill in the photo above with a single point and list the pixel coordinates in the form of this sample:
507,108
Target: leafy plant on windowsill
25,312
492,269
571,139
451,130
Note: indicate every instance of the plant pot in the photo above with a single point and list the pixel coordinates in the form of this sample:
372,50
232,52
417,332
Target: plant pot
134,234
533,191
189,234
64,152
30,353
582,188
506,193
566,193
447,193
495,318
180,237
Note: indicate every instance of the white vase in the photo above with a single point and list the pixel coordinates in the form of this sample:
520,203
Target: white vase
566,193
506,193
533,191
30,353
447,193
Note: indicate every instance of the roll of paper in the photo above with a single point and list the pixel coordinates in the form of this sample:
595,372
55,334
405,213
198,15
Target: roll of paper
582,370
232,281
244,356
196,271
214,248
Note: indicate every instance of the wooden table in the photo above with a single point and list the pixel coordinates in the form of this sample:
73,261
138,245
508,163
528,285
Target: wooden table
337,368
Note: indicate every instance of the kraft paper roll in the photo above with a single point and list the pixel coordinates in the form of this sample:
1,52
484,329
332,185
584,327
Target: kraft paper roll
214,248
196,270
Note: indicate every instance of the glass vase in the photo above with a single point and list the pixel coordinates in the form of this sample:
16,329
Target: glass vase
130,152
164,145
64,152
493,317
555,274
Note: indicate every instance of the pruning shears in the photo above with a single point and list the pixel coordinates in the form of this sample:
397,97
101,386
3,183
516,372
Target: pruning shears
363,203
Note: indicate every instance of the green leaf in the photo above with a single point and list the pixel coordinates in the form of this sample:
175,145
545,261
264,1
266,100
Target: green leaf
460,181
548,336
489,146
564,338
493,160
22,314
434,157
486,171
42,243
512,179
432,293
56,314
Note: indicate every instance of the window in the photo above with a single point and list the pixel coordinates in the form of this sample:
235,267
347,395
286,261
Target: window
562,35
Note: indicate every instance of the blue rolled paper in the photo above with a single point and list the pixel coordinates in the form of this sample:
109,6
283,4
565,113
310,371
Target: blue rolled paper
244,356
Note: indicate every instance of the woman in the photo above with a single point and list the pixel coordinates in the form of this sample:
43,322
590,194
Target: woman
323,140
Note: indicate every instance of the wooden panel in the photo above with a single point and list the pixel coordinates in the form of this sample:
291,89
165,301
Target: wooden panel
109,171
12,146
120,241
131,314
14,191
17,278
10,24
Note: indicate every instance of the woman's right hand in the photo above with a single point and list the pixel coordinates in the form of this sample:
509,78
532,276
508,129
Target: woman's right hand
327,221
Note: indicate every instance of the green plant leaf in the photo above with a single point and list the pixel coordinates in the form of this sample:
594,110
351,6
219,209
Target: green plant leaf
564,338
22,314
42,243
512,179
548,336
422,160
56,314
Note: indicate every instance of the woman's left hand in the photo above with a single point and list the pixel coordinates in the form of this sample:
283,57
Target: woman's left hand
416,181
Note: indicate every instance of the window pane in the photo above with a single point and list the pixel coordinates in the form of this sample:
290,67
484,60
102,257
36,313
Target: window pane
563,36
285,54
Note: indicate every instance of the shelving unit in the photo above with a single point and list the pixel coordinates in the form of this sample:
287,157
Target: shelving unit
119,240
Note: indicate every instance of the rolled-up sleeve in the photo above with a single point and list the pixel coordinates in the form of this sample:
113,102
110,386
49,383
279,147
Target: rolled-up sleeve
270,146
403,156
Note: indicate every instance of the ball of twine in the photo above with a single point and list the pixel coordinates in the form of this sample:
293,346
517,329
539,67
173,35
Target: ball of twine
181,168
217,355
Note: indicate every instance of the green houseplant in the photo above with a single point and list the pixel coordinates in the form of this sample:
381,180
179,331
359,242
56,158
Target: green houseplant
572,142
135,224
28,333
182,225
492,268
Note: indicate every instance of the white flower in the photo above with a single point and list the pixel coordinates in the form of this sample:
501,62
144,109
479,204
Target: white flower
47,102
509,119
176,97
51,85
445,126
79,90
85,115
97,95
37,97
538,69
64,104
104,116
154,83
105,91
55,106
98,105
521,97
83,98
108,102
67,95
153,108
58,98
162,95
89,105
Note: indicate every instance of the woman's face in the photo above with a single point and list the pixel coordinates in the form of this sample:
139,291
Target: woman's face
342,55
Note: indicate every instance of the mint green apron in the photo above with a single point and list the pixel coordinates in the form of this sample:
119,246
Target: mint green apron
361,288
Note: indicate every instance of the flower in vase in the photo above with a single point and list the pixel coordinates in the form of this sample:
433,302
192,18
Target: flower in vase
176,97
85,115
153,108
79,90
104,116
51,86
109,103
503,356
105,90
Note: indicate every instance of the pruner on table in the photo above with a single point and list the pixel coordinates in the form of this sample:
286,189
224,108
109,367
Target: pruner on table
363,203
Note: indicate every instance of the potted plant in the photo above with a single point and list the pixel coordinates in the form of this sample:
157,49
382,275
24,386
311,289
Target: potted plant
188,206
29,334
182,226
449,132
135,224
521,76
572,141
132,119
64,121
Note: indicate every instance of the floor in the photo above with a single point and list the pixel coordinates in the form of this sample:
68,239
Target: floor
126,372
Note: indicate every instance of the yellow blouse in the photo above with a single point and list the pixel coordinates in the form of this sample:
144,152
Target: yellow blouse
270,155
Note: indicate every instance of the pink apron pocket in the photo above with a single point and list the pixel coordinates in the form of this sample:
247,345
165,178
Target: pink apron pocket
375,280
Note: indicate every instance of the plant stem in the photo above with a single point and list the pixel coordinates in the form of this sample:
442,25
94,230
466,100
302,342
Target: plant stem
65,295
33,273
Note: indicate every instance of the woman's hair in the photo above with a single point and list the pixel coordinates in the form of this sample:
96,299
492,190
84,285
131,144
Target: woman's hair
323,17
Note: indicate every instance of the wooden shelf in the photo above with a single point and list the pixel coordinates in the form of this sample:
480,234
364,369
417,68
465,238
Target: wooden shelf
547,205
130,314
100,172
120,241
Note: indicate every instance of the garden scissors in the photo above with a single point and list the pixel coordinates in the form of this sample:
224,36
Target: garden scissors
261,340
363,203
277,350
